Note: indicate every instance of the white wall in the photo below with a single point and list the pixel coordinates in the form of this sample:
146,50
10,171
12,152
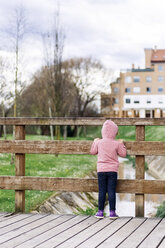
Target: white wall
155,102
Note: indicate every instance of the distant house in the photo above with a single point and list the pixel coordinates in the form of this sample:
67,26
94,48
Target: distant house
139,92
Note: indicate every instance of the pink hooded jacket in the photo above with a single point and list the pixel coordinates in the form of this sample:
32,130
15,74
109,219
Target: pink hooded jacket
108,148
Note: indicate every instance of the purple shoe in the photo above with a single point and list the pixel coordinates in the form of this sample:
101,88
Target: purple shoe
113,215
99,214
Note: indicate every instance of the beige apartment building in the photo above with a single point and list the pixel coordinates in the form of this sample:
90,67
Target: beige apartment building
138,92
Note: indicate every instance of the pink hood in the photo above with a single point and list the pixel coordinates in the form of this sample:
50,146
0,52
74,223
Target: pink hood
109,130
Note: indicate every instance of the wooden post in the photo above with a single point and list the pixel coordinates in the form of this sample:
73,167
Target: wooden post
140,170
19,170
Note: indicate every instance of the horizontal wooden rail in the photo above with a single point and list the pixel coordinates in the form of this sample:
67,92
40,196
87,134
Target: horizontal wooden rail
145,148
76,147
80,184
82,121
45,147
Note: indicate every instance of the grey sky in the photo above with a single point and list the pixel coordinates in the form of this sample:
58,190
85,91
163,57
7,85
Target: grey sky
113,31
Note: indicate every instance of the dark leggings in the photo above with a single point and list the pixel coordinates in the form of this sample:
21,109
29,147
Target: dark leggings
107,183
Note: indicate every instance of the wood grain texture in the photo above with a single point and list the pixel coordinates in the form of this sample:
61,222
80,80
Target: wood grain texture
141,233
105,233
80,184
42,230
118,237
158,234
140,172
46,147
76,147
17,235
77,239
82,121
19,170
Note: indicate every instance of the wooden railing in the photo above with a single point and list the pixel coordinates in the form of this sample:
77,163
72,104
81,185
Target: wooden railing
138,186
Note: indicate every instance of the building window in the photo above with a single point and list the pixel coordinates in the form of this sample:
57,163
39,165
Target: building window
127,100
136,89
148,89
160,89
127,90
160,78
160,68
148,79
148,101
136,101
127,79
116,100
116,90
136,79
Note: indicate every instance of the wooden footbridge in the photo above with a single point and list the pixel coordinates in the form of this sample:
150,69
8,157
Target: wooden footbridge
68,231
35,230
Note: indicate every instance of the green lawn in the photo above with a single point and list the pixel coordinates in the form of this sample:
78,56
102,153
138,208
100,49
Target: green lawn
152,133
46,165
43,165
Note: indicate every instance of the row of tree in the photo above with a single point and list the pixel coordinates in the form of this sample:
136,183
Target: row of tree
69,93
61,87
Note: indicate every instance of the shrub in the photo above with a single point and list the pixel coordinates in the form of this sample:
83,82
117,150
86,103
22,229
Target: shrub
161,211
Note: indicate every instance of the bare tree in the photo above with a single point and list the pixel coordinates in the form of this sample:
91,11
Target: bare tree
16,32
5,93
88,77
3,98
53,42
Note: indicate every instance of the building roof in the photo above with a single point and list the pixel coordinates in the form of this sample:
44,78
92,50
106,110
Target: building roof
158,55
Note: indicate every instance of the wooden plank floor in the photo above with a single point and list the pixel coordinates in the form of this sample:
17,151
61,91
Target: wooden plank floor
68,231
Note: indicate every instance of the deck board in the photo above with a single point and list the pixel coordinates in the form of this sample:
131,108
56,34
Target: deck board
119,236
2,215
18,224
162,245
27,233
99,237
12,221
70,232
157,233
87,233
48,230
140,234
51,232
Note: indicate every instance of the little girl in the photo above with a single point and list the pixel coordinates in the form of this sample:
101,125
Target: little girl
107,150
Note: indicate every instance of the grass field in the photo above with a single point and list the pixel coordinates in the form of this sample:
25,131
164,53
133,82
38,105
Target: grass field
60,166
46,165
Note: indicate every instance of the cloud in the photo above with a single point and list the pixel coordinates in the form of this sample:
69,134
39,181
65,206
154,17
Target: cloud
114,31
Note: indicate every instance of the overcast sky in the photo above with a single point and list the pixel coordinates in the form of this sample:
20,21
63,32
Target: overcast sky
113,31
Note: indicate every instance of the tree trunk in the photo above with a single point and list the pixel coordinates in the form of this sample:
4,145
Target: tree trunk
84,131
65,132
51,127
4,126
57,132
1,130
78,131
